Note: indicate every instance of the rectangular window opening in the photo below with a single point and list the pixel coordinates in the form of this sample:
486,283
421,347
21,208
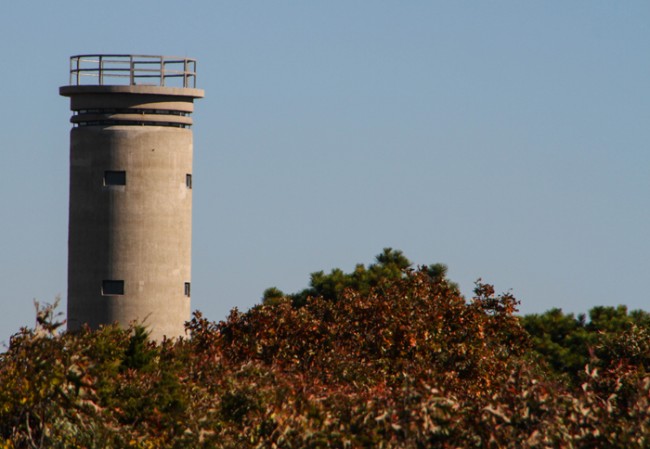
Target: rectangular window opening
187,289
114,178
188,181
112,288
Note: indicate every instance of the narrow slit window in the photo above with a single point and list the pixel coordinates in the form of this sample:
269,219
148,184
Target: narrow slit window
112,288
187,289
114,178
188,181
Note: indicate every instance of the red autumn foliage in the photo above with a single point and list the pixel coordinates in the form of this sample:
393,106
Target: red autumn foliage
407,363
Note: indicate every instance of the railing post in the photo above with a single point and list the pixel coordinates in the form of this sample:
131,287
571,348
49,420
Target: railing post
131,71
101,70
162,71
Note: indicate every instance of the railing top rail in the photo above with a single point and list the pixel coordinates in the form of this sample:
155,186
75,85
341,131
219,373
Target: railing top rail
125,69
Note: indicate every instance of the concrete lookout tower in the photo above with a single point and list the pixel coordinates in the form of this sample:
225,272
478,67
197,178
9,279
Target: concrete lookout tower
130,223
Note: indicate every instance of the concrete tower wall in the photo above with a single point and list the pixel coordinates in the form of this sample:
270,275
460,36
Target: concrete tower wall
130,217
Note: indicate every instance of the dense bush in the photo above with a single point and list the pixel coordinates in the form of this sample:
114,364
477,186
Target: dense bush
405,363
567,343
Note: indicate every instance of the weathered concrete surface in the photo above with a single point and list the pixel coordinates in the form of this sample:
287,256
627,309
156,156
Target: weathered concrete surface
140,232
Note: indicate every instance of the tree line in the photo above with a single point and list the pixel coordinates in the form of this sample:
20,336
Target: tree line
386,356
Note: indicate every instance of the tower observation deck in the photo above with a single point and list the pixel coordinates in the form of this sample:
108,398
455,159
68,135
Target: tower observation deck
130,214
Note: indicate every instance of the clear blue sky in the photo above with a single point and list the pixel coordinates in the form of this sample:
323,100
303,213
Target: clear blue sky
509,140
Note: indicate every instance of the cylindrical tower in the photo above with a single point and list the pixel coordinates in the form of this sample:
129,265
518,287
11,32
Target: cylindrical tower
130,218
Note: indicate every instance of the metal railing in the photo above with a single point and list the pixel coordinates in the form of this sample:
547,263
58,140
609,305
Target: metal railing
132,70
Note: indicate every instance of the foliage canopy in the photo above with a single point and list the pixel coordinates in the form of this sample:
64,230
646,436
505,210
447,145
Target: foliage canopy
386,356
